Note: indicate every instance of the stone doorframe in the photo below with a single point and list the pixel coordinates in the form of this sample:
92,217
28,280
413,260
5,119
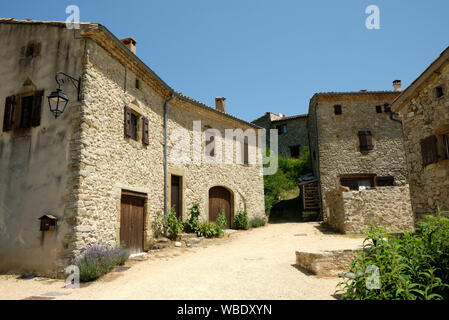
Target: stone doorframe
147,232
181,173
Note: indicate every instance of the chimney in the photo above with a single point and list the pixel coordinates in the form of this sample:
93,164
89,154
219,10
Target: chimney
397,85
130,43
220,104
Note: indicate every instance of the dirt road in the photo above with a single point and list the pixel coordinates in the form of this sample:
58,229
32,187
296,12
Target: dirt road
255,264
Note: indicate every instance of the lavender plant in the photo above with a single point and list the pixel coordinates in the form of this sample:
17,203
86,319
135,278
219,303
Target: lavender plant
99,259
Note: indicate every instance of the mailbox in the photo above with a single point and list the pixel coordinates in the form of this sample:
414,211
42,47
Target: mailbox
48,222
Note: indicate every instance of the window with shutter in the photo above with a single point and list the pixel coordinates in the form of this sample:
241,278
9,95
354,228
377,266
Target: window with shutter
446,145
245,151
37,108
26,110
365,140
9,113
210,150
385,181
127,121
145,131
429,150
133,126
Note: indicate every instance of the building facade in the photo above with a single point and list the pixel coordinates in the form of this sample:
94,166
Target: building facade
359,160
424,107
127,150
292,132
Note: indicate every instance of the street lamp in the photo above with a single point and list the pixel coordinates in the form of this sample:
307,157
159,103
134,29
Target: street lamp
57,100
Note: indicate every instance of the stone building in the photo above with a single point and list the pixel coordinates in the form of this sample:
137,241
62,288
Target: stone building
424,107
358,158
292,132
127,150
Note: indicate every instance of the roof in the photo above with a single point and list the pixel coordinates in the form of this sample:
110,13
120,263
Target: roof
291,117
434,66
136,59
355,93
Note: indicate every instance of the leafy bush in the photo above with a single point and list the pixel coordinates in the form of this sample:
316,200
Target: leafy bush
257,222
241,220
193,223
209,230
413,266
286,178
99,259
174,227
158,225
222,222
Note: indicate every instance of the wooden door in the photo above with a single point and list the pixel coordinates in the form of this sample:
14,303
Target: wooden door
175,195
131,223
220,198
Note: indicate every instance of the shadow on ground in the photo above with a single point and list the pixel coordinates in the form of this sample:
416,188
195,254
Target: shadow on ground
286,211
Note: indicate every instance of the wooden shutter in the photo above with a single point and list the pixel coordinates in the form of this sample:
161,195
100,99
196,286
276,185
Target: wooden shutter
127,121
429,150
245,152
208,142
366,140
37,107
8,118
145,131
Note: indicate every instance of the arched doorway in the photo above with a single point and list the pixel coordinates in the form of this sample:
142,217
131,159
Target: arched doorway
220,199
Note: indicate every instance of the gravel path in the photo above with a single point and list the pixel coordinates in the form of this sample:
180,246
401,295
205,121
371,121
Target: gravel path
256,264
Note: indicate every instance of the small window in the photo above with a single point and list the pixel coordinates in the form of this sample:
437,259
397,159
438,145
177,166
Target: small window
282,129
134,126
245,155
131,123
379,109
137,84
429,150
385,181
338,109
358,182
446,146
439,92
25,112
210,141
366,141
295,151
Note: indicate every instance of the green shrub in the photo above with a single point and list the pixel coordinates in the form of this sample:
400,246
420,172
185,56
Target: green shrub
413,266
222,222
157,225
193,223
209,230
241,220
257,222
99,259
174,227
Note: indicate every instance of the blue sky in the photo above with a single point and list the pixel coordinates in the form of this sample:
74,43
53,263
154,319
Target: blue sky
267,55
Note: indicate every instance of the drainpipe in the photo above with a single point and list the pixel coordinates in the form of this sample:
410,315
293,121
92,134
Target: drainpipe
165,159
317,150
391,117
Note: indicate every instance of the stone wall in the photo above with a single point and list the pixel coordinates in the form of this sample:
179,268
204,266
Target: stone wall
335,143
424,115
297,131
353,211
34,163
111,163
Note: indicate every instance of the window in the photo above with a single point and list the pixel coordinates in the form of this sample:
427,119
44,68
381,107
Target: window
137,84
295,151
282,128
22,112
337,109
245,151
385,181
210,146
446,145
439,92
366,141
358,182
429,150
379,109
134,121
